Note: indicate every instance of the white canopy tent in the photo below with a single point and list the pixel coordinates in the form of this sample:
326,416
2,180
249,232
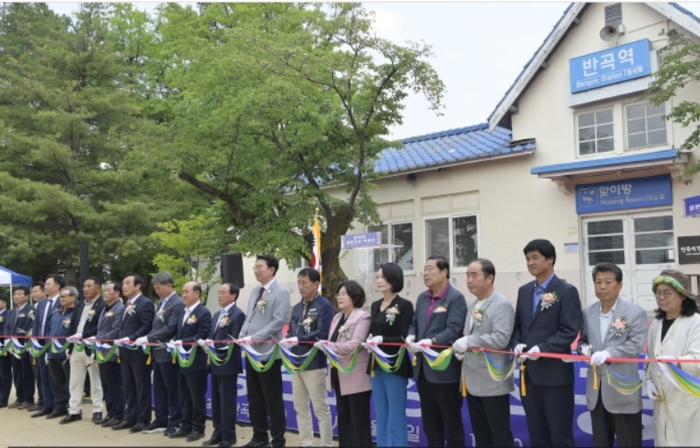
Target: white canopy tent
11,278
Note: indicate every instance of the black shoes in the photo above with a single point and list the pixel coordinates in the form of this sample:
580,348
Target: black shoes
57,413
102,420
256,443
227,444
96,416
213,441
170,430
70,418
123,425
137,427
42,412
34,407
180,433
195,435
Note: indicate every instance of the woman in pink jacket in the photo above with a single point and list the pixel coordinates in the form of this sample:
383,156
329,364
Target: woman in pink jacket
353,390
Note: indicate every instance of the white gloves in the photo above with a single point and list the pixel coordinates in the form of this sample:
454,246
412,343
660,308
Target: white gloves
599,358
411,338
319,344
121,341
425,342
461,345
532,353
177,343
201,342
459,356
375,340
413,347
651,392
91,340
75,338
245,340
142,341
518,349
585,350
289,342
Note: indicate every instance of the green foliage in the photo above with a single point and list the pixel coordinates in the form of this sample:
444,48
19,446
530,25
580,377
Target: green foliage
680,67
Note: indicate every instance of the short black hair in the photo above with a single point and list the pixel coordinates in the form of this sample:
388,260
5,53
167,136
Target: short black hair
4,297
441,263
487,267
95,280
688,308
197,287
59,279
270,260
544,247
24,289
393,274
116,286
232,289
608,267
355,292
164,278
312,274
137,279
39,284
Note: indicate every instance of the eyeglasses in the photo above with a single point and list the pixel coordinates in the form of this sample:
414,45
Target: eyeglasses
341,294
665,294
63,296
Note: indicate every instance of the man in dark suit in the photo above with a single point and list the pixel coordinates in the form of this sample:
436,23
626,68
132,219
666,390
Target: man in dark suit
194,325
19,323
547,319
5,361
108,324
38,295
136,373
227,324
84,325
52,288
165,388
439,320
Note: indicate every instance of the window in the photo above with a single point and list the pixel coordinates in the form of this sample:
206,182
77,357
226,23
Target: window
646,125
653,240
595,132
397,233
455,238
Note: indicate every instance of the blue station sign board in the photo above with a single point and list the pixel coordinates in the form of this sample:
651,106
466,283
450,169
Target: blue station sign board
624,194
692,206
619,64
361,240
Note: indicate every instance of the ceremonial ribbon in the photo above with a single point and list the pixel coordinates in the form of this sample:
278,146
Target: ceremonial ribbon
215,359
386,362
625,384
335,361
681,379
497,371
184,357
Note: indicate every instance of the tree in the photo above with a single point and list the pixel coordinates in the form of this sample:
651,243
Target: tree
277,109
680,67
65,115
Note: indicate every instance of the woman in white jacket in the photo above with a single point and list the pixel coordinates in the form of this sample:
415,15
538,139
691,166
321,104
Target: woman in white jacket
674,334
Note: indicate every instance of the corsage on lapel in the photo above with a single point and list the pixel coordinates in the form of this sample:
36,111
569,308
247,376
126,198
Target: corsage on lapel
66,322
109,314
548,299
343,332
440,309
90,314
306,323
160,315
130,309
225,321
191,320
391,314
477,316
619,326
2,319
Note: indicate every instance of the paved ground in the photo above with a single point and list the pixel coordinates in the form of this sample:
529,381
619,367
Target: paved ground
19,429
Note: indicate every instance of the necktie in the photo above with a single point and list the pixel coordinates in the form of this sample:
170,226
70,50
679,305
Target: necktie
537,298
47,310
221,315
260,294
187,314
128,304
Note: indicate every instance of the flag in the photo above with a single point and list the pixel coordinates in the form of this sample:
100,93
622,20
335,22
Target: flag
316,250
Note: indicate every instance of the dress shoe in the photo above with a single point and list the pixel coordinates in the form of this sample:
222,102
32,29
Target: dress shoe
180,433
35,407
169,431
14,405
153,428
123,425
256,443
227,443
96,416
195,435
103,420
111,422
70,418
213,441
24,405
57,413
137,427
42,412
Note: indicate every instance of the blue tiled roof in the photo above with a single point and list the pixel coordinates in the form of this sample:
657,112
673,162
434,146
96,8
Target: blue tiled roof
668,154
685,11
449,147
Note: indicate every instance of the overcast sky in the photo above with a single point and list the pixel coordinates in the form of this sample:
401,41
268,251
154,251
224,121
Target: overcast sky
480,48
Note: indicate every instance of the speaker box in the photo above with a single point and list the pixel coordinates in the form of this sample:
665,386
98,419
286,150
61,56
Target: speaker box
232,269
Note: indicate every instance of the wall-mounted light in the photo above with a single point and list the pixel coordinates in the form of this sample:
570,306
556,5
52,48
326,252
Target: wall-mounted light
411,179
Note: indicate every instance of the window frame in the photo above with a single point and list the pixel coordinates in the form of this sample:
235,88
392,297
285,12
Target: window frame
450,218
577,115
626,135
390,237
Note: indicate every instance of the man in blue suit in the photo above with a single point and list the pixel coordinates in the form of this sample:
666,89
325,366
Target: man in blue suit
227,324
19,323
547,319
5,361
194,325
52,288
136,373
165,389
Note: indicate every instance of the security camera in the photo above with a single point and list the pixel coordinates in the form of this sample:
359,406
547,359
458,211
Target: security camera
411,179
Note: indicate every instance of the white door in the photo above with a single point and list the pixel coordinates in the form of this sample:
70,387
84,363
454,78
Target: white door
641,244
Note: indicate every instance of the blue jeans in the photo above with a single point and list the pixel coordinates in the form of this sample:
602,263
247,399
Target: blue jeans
389,395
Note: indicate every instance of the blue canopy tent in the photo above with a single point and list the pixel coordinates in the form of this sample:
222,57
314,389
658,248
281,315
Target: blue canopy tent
10,278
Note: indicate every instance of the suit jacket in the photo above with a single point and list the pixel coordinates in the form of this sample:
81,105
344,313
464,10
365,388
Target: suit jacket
227,330
320,311
552,330
267,324
494,332
446,327
190,331
3,320
136,324
395,332
109,323
357,324
19,321
90,327
41,310
629,345
165,326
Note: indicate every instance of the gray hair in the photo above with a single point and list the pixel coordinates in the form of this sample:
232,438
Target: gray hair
163,278
71,290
